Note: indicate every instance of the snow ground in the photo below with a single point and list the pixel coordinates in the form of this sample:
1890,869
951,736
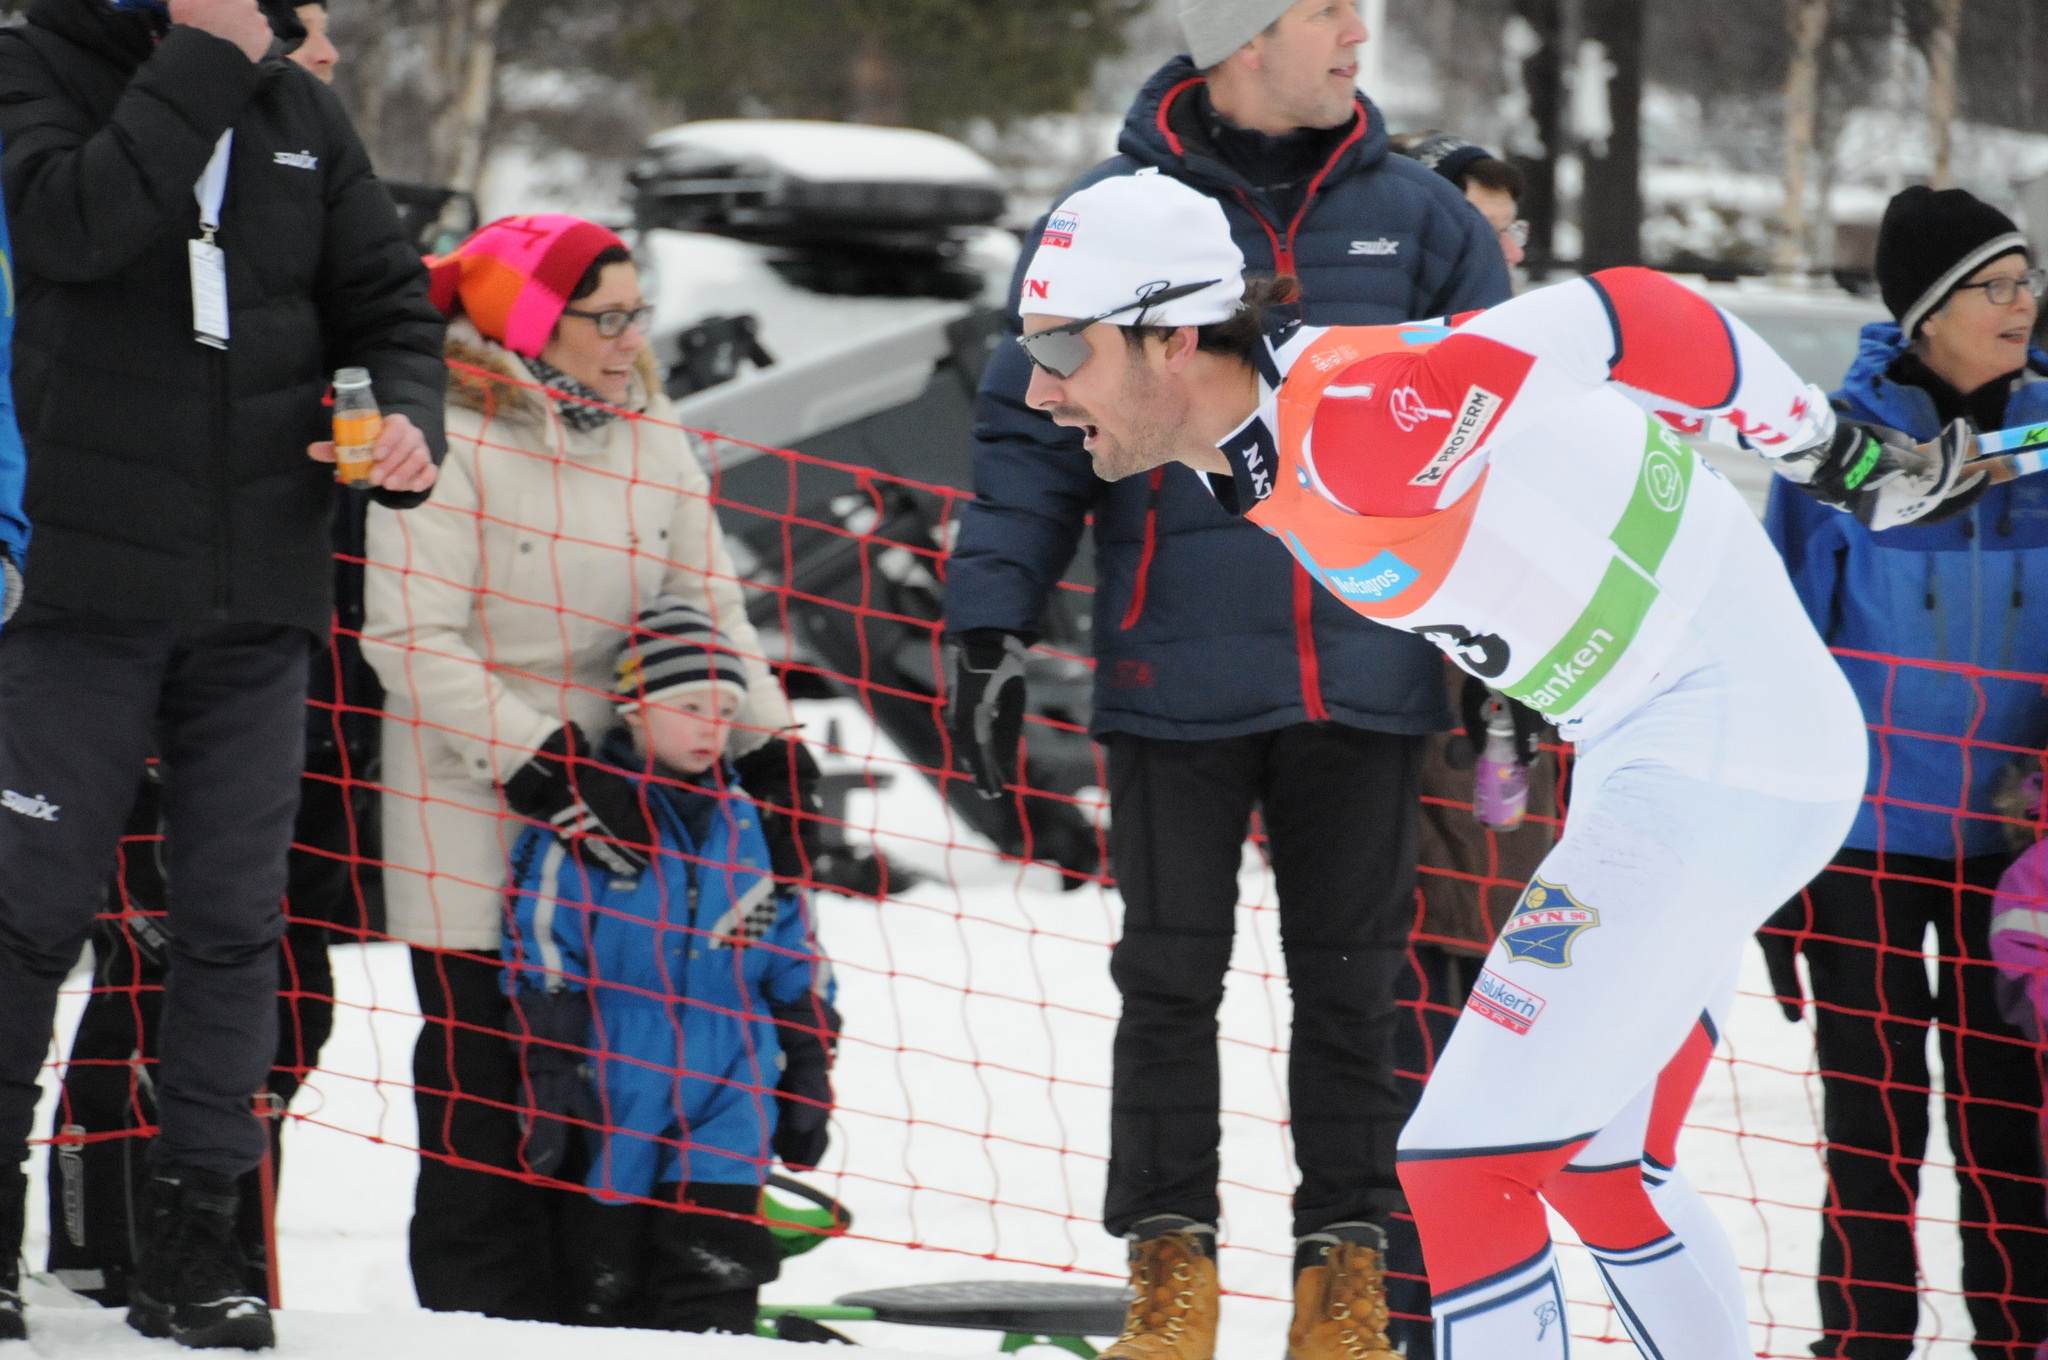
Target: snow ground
973,1127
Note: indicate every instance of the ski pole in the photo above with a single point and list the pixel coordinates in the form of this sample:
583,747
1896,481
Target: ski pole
2006,454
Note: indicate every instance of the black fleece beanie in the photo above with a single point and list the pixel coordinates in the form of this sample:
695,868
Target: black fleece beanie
1930,241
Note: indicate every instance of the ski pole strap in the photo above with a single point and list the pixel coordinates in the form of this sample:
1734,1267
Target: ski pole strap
2006,454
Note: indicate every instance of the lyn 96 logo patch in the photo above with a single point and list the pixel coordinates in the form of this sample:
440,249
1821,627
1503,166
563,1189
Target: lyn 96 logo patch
1545,923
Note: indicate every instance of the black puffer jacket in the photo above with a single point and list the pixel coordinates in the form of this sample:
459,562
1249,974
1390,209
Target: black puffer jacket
168,479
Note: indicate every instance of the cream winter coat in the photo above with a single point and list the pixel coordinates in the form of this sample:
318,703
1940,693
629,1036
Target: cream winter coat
496,610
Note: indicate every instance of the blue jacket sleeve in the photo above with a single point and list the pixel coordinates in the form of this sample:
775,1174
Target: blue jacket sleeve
551,914
1803,532
13,459
795,967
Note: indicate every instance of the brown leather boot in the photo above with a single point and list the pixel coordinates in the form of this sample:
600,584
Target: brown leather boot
1173,1272
1340,1295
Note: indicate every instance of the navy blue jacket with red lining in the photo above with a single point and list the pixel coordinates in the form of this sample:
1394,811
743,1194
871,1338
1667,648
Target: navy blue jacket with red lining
1204,626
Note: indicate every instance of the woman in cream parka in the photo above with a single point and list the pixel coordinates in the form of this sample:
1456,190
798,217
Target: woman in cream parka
494,614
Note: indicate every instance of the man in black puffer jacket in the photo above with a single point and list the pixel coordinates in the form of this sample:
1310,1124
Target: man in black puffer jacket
1225,680
157,156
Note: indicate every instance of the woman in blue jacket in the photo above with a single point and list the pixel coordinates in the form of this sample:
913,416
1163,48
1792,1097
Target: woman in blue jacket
675,1025
1927,848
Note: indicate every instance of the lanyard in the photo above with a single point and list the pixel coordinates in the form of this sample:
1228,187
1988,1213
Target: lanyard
209,264
212,187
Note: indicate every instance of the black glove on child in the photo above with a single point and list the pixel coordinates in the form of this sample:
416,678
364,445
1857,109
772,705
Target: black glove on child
809,1032
985,708
782,779
550,1037
596,812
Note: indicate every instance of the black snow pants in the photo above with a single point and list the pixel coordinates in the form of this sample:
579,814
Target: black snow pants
1873,1006
84,701
482,1239
1339,807
95,1183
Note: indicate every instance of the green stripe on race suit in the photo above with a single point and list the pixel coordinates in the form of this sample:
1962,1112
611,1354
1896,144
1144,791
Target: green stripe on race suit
1596,640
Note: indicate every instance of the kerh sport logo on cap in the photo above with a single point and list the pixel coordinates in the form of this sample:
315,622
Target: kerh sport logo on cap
1060,229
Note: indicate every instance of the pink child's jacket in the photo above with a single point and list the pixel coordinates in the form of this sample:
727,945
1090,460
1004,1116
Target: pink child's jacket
2019,942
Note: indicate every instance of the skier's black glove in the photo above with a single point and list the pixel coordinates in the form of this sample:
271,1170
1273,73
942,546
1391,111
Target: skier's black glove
781,777
1529,725
550,1036
595,812
1780,937
985,706
1886,478
809,1032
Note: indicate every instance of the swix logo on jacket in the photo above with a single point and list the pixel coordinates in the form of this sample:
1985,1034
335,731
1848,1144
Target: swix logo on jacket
28,806
1561,527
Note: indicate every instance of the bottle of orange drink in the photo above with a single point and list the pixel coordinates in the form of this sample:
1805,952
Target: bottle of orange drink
357,423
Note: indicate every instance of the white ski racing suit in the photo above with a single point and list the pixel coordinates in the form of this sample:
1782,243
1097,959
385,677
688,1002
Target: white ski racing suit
1511,486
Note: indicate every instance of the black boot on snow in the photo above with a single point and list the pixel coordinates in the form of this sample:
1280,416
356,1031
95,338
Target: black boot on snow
13,1204
190,1283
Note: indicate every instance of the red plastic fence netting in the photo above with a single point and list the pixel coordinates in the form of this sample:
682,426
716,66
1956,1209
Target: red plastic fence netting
969,1138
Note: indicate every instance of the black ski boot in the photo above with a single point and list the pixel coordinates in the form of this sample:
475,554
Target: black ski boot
13,1205
191,1279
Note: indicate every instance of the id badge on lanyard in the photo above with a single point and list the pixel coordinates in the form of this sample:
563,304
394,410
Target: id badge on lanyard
209,262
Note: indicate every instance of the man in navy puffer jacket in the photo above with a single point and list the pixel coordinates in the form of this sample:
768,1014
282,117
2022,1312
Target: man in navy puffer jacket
1927,848
1224,679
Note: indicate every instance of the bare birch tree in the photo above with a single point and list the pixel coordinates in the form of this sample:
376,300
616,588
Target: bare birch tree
1941,89
1808,21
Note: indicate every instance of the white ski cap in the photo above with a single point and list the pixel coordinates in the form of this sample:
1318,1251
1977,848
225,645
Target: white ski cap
1124,239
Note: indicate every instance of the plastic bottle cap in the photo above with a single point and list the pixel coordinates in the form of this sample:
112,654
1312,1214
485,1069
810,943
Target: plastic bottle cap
351,377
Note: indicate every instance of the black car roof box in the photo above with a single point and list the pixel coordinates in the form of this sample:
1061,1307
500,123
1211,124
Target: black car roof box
788,180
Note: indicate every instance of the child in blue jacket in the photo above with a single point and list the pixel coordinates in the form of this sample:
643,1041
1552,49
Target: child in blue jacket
676,1026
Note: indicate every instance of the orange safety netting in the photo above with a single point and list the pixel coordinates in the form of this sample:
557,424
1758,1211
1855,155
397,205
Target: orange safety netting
972,1080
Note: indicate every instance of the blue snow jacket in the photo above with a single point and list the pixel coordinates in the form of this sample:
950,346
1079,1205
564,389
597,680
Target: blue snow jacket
13,458
1204,626
1973,589
685,960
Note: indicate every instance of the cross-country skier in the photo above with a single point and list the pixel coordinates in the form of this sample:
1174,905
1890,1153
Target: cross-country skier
1505,487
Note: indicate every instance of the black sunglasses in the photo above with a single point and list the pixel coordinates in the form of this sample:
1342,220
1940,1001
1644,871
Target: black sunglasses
1062,350
612,325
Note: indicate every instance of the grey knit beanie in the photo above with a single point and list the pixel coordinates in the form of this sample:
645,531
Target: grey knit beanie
1216,28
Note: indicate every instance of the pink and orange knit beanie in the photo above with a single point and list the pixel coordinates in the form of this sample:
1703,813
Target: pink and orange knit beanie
513,278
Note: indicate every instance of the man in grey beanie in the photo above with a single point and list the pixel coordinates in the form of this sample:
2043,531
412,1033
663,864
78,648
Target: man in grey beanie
1268,696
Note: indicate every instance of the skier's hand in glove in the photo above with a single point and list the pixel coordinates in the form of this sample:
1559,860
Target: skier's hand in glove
809,1033
550,1037
985,708
1886,478
596,812
781,776
1780,937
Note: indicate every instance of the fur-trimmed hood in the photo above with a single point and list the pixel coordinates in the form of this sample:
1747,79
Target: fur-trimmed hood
489,379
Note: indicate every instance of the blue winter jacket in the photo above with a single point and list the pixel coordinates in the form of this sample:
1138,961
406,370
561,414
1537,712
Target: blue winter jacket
1204,627
13,458
686,961
1973,589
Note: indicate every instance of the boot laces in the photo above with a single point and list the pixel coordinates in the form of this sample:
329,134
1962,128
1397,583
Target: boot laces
204,1229
1164,1297
1357,1278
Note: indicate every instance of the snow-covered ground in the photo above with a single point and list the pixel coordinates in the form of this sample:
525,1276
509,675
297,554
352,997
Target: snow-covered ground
973,1127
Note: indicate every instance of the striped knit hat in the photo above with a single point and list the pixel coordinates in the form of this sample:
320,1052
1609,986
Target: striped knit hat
513,278
675,649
